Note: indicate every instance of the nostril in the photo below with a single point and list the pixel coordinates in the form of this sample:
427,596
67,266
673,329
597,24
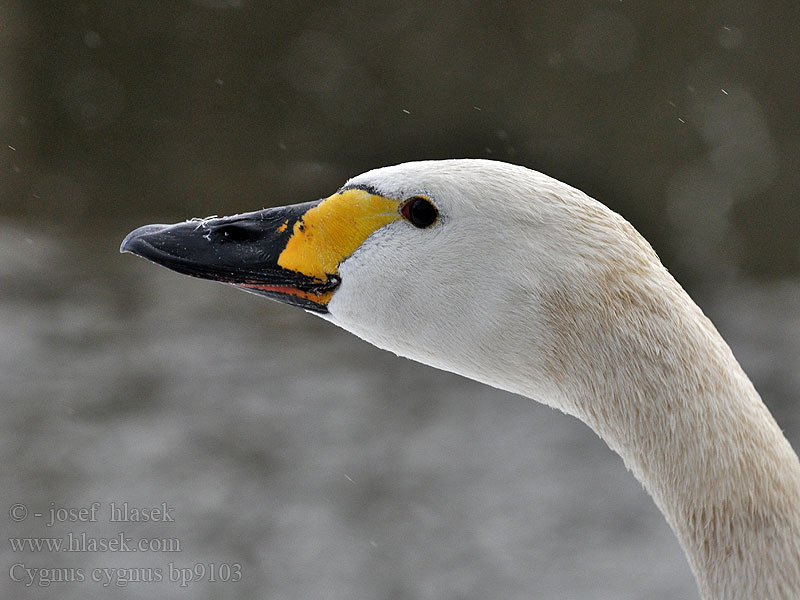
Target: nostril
233,233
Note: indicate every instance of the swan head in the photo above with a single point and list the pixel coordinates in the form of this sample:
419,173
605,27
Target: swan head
509,277
458,264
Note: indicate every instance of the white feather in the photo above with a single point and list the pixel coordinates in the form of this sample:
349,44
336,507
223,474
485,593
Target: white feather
529,285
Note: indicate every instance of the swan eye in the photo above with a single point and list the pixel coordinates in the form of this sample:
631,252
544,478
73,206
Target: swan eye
419,211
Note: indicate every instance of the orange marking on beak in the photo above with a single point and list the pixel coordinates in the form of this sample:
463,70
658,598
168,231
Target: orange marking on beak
321,298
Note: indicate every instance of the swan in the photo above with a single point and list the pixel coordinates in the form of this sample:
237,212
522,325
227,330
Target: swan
514,279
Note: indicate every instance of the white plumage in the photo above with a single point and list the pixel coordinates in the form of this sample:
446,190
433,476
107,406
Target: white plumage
529,285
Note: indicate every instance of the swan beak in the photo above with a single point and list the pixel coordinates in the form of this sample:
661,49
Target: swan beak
290,254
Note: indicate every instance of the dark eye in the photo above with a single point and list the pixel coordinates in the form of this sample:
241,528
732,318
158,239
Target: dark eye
419,211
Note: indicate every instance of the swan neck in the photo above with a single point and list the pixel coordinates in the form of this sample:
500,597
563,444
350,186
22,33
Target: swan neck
728,483
652,376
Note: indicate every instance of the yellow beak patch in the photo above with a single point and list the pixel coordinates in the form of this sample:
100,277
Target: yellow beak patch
333,229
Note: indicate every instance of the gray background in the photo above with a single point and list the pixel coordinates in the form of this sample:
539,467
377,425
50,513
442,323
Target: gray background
324,467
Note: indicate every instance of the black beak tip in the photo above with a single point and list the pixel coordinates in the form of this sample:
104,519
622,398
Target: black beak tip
136,240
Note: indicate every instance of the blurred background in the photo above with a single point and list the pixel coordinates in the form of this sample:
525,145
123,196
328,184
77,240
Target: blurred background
322,467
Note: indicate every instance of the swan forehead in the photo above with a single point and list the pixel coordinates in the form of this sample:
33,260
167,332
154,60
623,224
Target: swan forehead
332,230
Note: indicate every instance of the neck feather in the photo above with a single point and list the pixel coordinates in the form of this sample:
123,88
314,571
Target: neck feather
649,373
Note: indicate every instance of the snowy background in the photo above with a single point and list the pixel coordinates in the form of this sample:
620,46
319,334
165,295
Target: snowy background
321,466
